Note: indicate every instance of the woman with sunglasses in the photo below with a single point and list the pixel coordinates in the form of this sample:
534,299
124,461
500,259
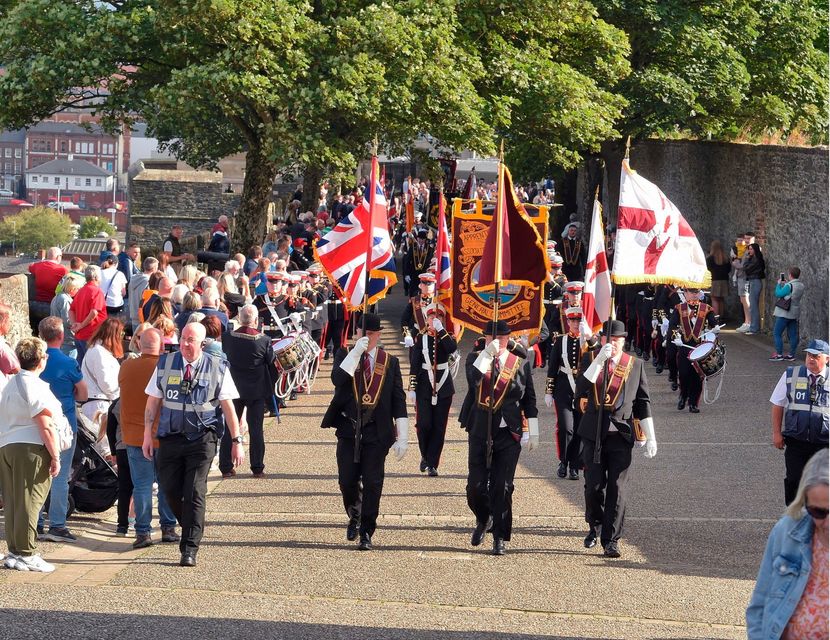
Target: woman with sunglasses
790,597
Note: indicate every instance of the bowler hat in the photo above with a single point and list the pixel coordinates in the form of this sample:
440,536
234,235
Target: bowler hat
500,328
370,322
818,347
617,329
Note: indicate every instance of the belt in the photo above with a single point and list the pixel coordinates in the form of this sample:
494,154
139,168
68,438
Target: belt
428,367
555,302
95,400
333,302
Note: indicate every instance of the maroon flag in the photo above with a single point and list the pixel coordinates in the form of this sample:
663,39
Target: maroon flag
513,252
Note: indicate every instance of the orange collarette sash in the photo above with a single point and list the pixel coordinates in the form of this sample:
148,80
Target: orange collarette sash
511,366
371,388
691,331
615,384
572,253
418,313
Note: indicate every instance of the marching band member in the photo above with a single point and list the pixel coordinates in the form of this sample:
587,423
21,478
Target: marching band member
574,253
417,258
431,386
571,298
645,314
413,320
626,403
563,369
371,376
553,294
690,319
490,487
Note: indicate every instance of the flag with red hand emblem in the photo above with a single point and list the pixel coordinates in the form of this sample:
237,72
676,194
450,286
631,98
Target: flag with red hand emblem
596,296
654,242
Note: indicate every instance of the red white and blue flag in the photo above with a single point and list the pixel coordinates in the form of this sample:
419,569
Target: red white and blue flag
443,268
343,251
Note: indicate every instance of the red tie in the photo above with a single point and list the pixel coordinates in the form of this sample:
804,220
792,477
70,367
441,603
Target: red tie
187,373
367,367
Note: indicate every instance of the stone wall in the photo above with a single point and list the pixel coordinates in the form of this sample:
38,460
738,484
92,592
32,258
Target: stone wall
723,189
159,198
14,291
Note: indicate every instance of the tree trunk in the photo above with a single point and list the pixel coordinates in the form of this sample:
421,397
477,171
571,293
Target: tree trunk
312,178
252,221
612,153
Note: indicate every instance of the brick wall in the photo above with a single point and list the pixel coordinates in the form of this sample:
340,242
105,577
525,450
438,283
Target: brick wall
722,189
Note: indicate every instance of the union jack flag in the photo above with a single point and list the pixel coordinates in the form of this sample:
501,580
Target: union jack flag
443,269
343,251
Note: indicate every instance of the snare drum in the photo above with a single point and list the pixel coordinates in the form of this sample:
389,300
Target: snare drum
708,358
289,354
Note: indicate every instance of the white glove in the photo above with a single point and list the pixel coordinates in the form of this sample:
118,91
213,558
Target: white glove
492,349
437,324
350,362
360,346
548,400
408,341
606,352
654,323
525,439
407,279
647,425
410,395
592,372
664,327
677,342
402,442
533,432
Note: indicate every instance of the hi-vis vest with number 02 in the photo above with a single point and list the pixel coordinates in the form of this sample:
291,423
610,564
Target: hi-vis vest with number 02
192,413
807,415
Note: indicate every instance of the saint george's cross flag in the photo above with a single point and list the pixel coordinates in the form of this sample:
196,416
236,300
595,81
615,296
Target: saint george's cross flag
443,270
343,252
654,243
596,296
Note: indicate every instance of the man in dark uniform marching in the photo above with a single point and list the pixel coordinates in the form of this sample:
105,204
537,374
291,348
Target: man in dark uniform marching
553,299
416,260
574,253
371,376
626,418
413,319
563,369
690,319
500,433
431,387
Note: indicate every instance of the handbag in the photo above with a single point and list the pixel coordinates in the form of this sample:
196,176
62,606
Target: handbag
783,303
59,423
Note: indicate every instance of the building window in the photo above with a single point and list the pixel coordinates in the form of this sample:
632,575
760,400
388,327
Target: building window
8,167
77,182
16,168
109,166
57,180
77,147
38,144
34,178
107,149
88,182
18,153
44,179
8,152
63,146
97,182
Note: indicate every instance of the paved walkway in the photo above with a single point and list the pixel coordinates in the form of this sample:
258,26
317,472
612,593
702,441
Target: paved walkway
275,562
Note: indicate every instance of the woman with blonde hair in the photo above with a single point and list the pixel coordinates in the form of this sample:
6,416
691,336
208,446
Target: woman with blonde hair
29,454
188,276
719,266
100,372
134,347
168,329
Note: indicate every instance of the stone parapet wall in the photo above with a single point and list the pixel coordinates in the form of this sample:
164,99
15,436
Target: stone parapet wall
14,291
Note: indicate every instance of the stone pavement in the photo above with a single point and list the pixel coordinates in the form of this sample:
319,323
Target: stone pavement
275,562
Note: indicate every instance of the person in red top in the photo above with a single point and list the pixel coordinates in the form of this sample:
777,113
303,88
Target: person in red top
48,273
88,310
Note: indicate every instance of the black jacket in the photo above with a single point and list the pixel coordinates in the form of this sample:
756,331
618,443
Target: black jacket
635,403
446,346
251,363
342,412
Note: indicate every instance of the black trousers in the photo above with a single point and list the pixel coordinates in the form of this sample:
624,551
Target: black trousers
605,486
183,467
317,335
334,334
490,492
361,483
659,349
567,423
125,487
431,424
256,435
644,333
796,455
671,358
689,379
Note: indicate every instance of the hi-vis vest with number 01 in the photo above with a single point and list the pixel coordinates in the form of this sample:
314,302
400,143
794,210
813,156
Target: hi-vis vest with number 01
194,412
806,418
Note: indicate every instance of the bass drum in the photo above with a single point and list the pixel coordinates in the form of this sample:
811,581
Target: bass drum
289,354
708,358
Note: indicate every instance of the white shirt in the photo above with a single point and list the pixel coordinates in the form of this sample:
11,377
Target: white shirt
171,274
113,283
779,394
18,425
227,391
100,371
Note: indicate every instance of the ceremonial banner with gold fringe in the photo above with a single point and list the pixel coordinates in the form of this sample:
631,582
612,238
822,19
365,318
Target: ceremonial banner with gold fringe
520,306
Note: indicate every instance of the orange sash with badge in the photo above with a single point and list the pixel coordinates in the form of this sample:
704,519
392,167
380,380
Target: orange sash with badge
615,382
369,393
505,376
692,328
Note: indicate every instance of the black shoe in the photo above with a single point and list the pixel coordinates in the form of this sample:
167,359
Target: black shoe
423,465
327,355
638,352
168,535
654,362
681,404
293,395
432,472
659,369
693,408
188,559
591,539
674,386
612,550
498,547
562,471
351,530
573,474
365,542
478,534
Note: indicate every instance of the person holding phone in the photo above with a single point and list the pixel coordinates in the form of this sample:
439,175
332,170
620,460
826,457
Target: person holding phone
788,293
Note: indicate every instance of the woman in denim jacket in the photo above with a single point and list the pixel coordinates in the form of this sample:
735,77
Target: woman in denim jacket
790,597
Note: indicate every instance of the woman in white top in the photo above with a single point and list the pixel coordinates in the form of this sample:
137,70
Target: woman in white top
29,454
106,347
113,285
166,269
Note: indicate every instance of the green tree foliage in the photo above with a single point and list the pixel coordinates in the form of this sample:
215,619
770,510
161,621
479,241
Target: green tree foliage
91,226
36,228
722,68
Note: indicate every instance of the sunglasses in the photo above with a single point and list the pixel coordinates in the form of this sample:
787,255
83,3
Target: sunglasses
816,512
